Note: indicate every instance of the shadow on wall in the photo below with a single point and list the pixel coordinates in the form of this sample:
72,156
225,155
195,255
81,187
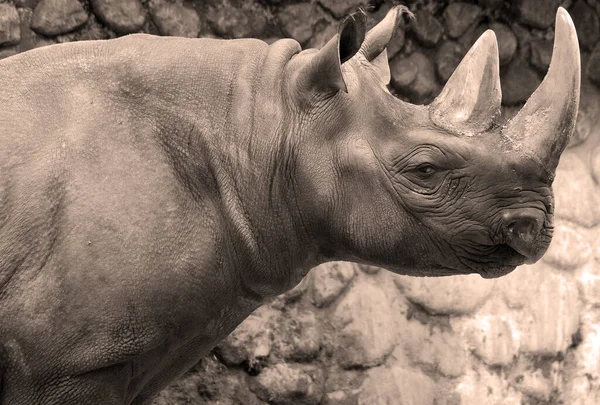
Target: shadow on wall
352,334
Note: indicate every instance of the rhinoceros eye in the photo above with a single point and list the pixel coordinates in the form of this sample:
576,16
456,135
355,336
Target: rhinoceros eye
425,176
426,169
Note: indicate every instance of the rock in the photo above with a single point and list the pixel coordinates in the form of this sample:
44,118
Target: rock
586,23
6,52
341,9
537,13
93,30
10,28
551,316
595,161
515,286
524,38
518,82
434,349
25,3
53,17
369,269
414,76
122,16
460,16
533,383
588,117
541,54
287,384
581,391
364,327
330,280
174,19
323,36
588,280
403,73
29,39
340,398
298,20
447,295
230,21
587,353
427,28
299,336
593,67
483,387
507,42
396,385
249,342
490,334
568,249
447,58
491,4
576,194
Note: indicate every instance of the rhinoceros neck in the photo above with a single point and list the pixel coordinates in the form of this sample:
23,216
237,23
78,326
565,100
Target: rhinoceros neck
227,99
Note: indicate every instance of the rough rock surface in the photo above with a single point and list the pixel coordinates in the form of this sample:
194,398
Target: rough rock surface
294,17
174,19
414,76
587,24
289,384
122,16
10,28
541,54
364,322
507,41
448,56
394,384
250,342
230,21
537,13
593,67
329,280
518,82
454,295
53,17
341,8
427,29
459,17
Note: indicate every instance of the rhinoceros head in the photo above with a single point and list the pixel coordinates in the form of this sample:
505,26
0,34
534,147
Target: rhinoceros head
428,190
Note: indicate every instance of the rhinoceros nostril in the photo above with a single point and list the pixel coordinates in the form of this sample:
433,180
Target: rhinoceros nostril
522,232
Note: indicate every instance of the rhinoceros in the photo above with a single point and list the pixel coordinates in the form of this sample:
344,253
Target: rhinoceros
155,191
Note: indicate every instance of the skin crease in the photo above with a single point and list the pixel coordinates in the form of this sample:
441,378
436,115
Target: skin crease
155,191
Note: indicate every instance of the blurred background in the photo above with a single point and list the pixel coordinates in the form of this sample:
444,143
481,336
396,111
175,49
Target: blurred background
350,334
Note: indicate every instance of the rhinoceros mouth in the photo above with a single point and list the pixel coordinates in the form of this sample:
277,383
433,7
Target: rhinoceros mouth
500,260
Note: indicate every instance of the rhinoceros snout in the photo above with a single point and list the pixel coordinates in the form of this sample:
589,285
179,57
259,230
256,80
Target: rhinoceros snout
523,230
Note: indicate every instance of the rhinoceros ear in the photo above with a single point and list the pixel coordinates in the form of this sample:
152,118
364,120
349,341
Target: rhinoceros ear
374,46
323,72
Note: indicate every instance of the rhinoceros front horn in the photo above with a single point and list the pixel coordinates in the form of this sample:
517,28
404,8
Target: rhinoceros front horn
470,100
543,127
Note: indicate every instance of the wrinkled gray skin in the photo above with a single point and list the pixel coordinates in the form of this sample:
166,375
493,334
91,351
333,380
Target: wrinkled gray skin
155,191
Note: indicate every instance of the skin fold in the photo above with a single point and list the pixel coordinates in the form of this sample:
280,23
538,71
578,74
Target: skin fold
155,191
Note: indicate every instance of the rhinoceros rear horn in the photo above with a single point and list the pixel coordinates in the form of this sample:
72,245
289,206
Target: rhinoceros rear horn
545,124
470,100
324,70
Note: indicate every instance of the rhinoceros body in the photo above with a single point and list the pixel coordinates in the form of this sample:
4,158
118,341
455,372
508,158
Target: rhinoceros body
154,192
120,262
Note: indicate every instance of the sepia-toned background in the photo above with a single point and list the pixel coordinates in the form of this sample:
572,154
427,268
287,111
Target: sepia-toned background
351,334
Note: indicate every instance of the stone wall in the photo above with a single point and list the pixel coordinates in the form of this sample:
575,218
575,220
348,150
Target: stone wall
350,334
